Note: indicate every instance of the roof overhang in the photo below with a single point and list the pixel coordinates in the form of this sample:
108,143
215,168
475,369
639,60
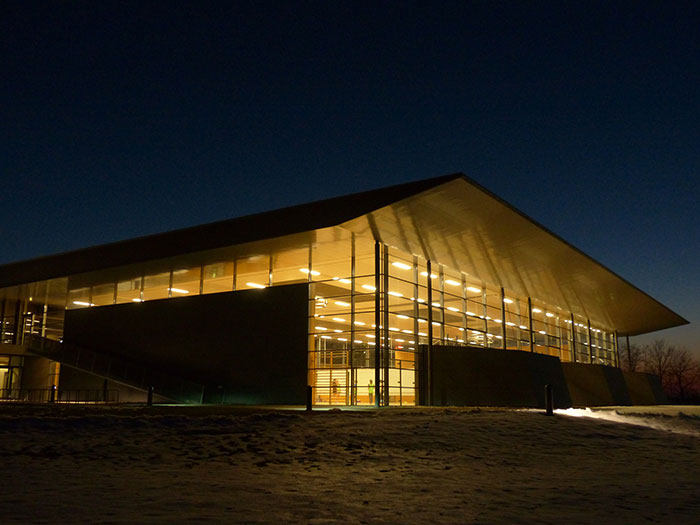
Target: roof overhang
462,225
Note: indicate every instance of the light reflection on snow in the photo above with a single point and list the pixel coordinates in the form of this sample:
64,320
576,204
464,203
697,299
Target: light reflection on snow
655,421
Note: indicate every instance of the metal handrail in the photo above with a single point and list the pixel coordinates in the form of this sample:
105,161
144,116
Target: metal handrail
54,395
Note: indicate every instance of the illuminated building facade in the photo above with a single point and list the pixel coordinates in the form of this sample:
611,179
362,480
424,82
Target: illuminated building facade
355,296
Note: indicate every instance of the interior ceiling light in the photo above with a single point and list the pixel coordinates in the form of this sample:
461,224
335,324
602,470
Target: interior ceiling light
395,294
401,265
473,289
342,303
452,282
255,285
425,274
369,287
344,281
453,309
359,323
339,320
401,316
507,301
82,303
549,314
307,271
536,311
179,290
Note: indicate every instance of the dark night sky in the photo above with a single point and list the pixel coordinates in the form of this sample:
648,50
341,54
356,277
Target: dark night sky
127,118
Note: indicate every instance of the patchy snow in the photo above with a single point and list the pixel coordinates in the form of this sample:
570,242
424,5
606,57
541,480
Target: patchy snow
222,464
677,419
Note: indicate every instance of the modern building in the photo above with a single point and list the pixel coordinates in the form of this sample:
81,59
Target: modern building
430,292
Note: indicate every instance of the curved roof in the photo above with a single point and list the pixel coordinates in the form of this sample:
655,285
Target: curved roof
449,219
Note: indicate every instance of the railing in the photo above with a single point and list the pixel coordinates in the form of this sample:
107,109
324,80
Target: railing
117,369
52,395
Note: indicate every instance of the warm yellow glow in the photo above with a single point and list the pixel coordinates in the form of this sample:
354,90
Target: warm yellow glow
307,271
320,328
549,314
453,309
339,319
536,311
542,332
255,285
523,327
369,287
82,303
452,282
473,289
342,339
359,323
401,265
470,313
326,337
179,290
137,300
401,316
344,281
395,294
422,321
507,301
342,303
425,274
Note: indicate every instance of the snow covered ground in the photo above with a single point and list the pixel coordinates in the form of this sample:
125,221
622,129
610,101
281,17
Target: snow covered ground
184,464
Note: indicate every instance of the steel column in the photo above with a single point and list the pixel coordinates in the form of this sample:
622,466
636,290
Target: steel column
429,355
503,317
377,321
529,317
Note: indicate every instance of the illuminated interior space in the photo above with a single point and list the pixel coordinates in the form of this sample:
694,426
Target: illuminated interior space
391,276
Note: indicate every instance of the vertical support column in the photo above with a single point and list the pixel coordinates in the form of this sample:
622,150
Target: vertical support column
2,322
17,338
386,347
201,279
143,279
235,268
616,347
269,271
529,317
114,297
590,343
170,285
573,338
352,386
429,355
377,320
503,317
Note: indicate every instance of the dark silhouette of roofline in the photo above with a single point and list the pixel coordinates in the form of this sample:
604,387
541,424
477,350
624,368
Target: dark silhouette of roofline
258,226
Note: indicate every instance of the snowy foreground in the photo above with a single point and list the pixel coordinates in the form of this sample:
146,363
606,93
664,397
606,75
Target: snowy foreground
183,464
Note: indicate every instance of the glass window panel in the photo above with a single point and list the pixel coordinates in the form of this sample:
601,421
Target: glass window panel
331,255
156,286
186,281
290,266
103,294
129,291
218,277
252,272
78,298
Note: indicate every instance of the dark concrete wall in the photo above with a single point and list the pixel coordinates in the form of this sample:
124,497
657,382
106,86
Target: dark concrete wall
644,389
596,385
489,377
36,373
244,347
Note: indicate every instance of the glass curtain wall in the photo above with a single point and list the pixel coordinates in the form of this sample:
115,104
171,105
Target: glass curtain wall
362,296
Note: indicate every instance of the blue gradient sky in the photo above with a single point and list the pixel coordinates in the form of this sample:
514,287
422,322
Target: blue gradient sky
124,119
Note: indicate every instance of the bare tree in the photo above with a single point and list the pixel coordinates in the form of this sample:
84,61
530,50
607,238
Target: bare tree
633,358
657,359
683,373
